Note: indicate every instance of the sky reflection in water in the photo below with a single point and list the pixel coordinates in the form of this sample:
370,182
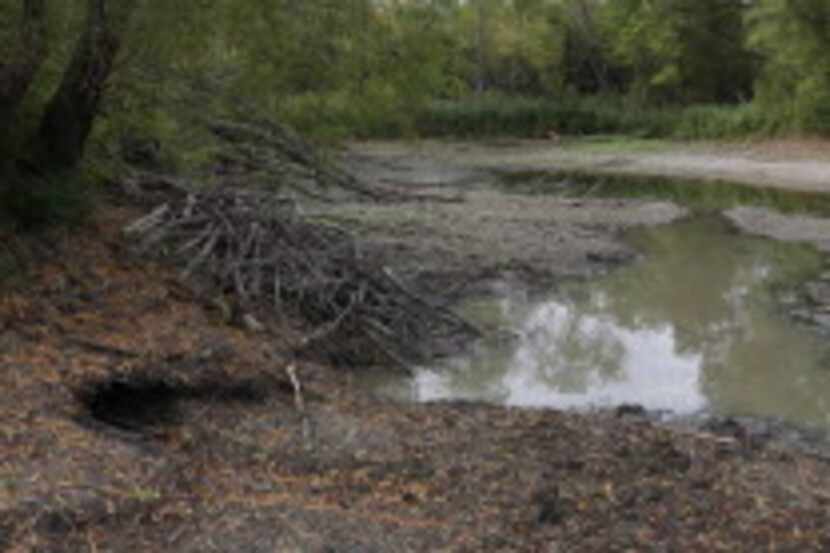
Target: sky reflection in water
692,327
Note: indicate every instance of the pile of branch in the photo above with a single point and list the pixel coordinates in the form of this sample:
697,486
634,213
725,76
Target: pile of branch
285,160
255,246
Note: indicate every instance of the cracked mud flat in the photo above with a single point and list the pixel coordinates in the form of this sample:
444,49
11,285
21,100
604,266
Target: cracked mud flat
354,473
462,230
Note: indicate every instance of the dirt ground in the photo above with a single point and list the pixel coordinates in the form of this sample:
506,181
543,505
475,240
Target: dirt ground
462,230
221,458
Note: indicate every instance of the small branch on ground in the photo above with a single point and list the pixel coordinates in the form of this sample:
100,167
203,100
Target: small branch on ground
291,371
97,347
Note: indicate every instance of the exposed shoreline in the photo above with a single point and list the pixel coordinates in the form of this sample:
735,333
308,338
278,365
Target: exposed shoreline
352,472
790,165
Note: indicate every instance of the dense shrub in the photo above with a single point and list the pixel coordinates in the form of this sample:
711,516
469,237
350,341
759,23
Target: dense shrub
492,115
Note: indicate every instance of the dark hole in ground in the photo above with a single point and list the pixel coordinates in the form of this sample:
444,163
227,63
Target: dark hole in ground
138,401
7,529
55,523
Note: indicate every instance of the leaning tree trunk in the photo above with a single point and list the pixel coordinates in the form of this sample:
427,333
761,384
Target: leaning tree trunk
18,72
67,121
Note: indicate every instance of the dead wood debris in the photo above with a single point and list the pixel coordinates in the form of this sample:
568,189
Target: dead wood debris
256,247
266,155
283,158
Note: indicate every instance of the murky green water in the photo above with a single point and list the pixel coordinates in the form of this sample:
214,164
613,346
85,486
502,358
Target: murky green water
694,327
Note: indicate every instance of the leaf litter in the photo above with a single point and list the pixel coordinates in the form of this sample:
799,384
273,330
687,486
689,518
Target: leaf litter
350,473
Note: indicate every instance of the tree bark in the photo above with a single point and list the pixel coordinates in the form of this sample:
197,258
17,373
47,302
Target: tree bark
17,74
482,46
67,121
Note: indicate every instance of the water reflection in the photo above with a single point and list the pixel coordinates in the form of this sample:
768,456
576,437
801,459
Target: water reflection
692,327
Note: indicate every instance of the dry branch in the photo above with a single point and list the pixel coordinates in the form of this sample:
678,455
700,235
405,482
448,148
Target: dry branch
256,247
286,159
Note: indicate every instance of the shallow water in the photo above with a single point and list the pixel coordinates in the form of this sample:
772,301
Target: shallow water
693,327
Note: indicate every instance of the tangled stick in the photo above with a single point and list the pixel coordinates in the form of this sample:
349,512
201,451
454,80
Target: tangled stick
257,247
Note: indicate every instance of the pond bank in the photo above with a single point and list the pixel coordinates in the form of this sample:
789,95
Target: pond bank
351,472
791,165
462,228
512,211
561,228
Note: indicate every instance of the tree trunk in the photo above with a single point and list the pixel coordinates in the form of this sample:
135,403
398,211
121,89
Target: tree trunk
592,37
17,74
67,121
481,46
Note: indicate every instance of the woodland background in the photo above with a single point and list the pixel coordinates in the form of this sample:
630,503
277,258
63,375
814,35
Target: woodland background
85,85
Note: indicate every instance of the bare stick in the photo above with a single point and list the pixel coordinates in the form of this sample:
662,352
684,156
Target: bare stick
256,247
291,371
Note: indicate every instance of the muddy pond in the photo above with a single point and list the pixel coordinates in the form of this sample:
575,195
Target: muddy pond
698,325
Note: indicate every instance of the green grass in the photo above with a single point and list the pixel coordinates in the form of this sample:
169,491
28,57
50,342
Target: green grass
329,118
493,115
616,144
701,196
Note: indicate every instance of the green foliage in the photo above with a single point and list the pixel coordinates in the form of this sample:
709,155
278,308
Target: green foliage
719,121
379,113
362,68
681,50
496,115
513,47
793,38
331,68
